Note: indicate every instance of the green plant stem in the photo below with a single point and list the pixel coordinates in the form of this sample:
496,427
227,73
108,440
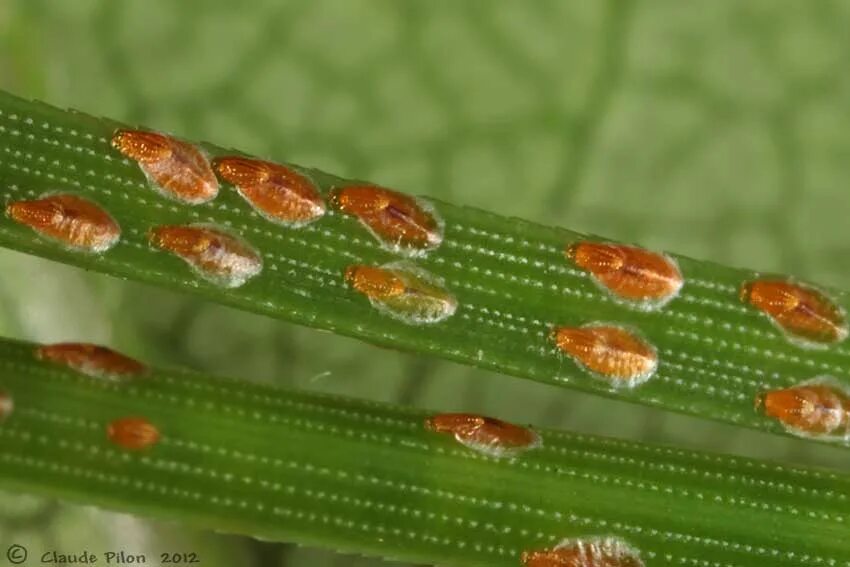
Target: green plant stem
510,276
369,478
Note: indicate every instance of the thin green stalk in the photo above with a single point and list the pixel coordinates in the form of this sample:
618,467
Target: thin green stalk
510,277
369,478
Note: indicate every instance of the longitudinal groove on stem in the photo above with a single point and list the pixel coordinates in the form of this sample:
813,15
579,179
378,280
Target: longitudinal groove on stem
510,277
369,478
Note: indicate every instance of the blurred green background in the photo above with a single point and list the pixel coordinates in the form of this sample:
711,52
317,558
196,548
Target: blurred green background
719,130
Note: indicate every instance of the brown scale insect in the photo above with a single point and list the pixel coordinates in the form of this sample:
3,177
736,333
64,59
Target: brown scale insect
214,254
7,405
278,193
72,221
403,291
92,360
805,314
587,552
401,223
612,353
487,435
133,433
644,279
818,408
176,169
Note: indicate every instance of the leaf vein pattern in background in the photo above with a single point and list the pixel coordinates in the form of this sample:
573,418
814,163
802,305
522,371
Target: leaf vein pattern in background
689,154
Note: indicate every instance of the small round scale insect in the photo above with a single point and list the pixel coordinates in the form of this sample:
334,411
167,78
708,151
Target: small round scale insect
278,193
636,277
92,360
7,405
74,222
213,253
807,316
133,433
401,223
174,168
605,551
487,435
818,408
612,353
404,292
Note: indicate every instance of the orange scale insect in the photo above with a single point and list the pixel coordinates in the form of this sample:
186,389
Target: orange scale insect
75,222
213,253
401,223
486,435
587,552
176,169
643,279
374,282
133,433
617,355
92,360
278,193
7,406
806,315
818,408
404,292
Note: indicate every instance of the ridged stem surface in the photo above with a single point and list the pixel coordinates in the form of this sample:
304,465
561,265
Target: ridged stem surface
511,278
369,478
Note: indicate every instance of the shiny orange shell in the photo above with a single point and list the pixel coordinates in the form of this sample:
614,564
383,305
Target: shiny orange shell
486,434
816,408
400,222
628,272
277,192
802,312
175,168
68,219
586,552
404,292
133,433
90,359
213,253
609,351
374,282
